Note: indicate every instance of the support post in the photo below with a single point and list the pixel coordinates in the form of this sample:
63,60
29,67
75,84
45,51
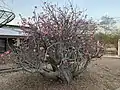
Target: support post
119,47
18,41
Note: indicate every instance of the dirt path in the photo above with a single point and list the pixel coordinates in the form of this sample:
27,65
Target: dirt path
103,74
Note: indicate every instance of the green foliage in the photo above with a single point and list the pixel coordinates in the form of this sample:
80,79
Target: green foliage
114,40
111,35
108,38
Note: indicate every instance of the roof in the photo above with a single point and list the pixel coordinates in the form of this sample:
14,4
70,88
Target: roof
14,26
15,32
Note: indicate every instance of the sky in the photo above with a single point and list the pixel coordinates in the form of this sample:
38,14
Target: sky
95,8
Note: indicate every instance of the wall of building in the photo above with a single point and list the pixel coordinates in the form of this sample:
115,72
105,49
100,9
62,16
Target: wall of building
5,45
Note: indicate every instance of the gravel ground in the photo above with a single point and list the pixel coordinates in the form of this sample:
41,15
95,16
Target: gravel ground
102,74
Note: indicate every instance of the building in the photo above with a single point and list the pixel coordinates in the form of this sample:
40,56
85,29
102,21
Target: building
8,35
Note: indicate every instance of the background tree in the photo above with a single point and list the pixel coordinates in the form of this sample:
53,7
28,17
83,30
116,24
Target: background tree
110,35
108,23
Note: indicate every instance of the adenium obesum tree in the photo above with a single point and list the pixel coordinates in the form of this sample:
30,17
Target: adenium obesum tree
59,43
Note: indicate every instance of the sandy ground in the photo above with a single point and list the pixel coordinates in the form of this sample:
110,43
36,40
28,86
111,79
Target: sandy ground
103,74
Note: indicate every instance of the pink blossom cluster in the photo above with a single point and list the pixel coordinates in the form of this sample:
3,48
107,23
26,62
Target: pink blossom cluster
5,53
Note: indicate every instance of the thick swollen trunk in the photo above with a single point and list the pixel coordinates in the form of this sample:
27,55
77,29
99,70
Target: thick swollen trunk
61,73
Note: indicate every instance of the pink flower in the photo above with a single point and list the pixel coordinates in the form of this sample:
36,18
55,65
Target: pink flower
45,32
8,52
1,55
